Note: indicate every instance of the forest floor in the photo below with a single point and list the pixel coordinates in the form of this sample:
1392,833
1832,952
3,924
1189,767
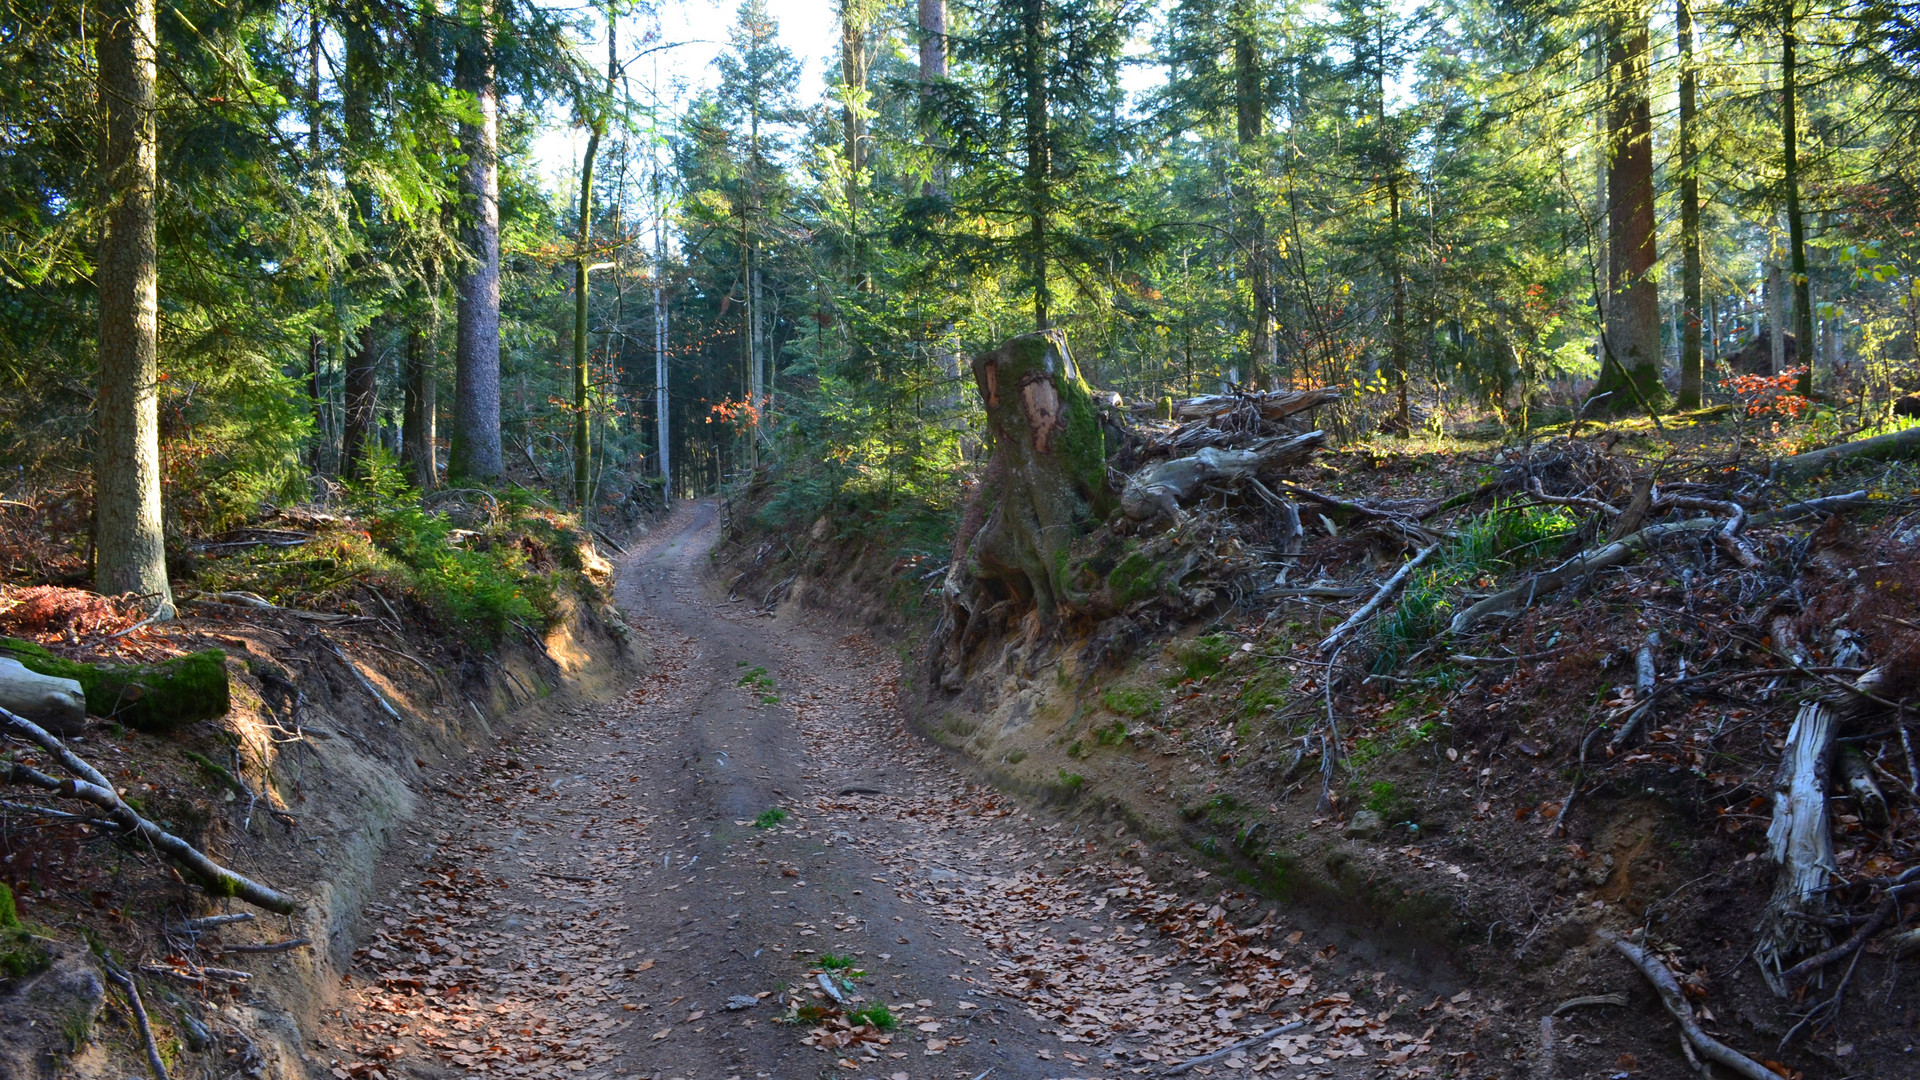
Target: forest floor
678,882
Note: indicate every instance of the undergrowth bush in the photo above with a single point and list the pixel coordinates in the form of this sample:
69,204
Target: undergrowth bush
480,581
1482,548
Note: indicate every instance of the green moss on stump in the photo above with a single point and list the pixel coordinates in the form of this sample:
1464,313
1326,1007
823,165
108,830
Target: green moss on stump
146,697
20,955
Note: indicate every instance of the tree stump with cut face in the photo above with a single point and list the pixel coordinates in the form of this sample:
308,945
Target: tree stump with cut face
1045,484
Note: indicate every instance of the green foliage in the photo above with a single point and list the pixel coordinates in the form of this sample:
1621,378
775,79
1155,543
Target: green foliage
1112,735
1131,702
876,1014
769,817
1071,781
836,963
20,954
147,697
1201,658
1484,547
1135,578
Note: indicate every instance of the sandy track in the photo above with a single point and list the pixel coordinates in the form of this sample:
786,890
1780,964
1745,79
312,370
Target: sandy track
587,902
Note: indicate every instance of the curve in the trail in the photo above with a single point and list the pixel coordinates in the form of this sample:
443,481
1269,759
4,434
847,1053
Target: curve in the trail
611,898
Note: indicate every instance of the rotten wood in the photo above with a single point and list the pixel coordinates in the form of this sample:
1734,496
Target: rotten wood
1801,841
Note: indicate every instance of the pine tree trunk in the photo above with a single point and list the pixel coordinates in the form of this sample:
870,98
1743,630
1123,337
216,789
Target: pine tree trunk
358,85
359,435
582,420
1775,291
418,419
1250,121
1631,377
475,453
1691,371
1796,226
853,124
933,69
1039,157
129,536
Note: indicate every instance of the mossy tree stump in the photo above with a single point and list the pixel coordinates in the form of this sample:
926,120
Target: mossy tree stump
1045,485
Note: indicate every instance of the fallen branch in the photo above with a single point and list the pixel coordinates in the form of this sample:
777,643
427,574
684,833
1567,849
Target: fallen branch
127,984
1645,682
1617,1000
265,947
1899,444
255,602
1225,1051
364,681
1380,597
92,787
1676,1002
1624,550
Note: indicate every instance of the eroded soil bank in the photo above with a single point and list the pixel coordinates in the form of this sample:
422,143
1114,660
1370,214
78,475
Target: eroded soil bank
339,732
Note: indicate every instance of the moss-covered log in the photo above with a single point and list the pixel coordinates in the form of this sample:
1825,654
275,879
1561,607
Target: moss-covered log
146,697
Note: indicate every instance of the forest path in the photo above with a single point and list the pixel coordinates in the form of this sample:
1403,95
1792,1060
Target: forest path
589,902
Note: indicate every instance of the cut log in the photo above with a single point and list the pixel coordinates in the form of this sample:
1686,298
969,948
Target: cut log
147,697
1160,490
1800,840
90,786
1899,444
59,705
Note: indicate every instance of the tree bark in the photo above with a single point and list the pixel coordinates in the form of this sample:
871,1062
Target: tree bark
1691,368
933,69
854,17
1047,480
475,452
129,535
1038,165
1250,121
1632,372
418,419
358,434
1796,227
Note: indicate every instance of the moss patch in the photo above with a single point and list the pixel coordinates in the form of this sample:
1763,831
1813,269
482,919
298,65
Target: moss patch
147,697
20,955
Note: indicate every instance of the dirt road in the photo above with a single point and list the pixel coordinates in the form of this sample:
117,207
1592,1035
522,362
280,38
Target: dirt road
650,888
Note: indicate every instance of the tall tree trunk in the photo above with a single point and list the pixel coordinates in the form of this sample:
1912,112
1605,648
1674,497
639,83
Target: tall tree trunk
322,453
129,539
663,428
1250,121
358,434
933,69
854,17
1039,157
1632,374
582,412
1796,228
1691,369
475,453
1775,296
418,411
